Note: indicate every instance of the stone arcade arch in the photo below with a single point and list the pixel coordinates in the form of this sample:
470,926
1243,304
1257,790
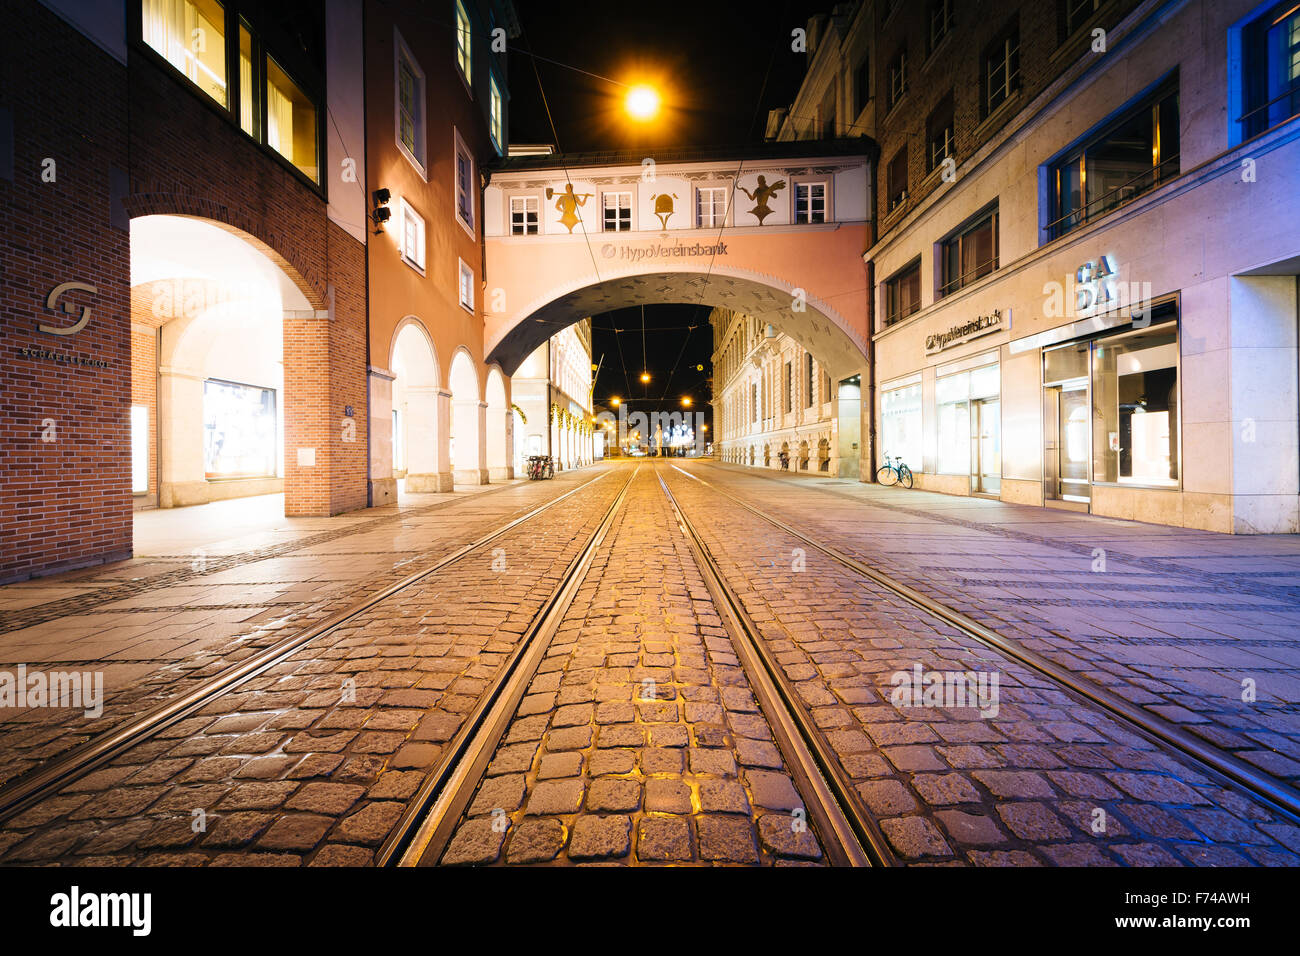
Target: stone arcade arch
420,411
468,422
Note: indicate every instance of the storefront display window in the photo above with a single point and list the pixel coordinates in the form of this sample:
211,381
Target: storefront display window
901,424
951,394
1135,408
239,430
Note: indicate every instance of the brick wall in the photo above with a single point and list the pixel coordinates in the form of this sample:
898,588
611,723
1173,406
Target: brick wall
65,496
955,67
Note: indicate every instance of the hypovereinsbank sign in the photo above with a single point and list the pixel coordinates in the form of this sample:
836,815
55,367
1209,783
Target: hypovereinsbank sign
959,334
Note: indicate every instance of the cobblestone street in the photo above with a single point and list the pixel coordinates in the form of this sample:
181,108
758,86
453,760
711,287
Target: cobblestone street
641,734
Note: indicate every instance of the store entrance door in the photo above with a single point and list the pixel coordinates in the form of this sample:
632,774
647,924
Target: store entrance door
1067,442
986,447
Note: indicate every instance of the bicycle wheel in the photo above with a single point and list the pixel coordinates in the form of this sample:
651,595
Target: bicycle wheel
905,476
886,475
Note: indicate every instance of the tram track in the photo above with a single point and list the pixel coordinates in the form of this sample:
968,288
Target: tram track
1232,771
23,792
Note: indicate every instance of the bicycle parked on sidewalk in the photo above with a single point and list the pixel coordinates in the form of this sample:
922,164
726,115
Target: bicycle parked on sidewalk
540,466
894,472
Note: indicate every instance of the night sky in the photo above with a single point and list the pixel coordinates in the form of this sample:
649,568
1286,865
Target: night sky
719,68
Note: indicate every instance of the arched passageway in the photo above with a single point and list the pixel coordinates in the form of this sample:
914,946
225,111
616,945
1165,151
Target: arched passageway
420,408
468,423
500,428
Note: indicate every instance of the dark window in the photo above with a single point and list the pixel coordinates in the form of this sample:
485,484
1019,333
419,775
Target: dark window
971,252
898,179
809,202
862,85
1127,158
903,294
1271,69
1074,13
808,381
789,387
940,22
897,78
938,134
1000,76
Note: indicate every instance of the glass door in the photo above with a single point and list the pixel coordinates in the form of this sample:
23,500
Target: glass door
986,447
1073,442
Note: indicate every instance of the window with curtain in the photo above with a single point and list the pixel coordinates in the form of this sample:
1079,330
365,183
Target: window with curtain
464,185
410,106
463,40
971,253
291,121
250,102
191,36
903,293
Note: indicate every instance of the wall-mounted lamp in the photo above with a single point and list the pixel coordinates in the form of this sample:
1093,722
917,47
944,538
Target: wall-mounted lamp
381,213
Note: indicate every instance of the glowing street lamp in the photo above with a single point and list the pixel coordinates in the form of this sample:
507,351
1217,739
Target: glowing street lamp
614,401
645,376
642,102
686,401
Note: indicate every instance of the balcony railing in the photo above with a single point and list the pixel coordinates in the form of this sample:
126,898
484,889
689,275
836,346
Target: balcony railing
1144,182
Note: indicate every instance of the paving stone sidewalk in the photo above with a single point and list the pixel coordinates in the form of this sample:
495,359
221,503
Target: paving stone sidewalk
1201,629
1026,776
314,761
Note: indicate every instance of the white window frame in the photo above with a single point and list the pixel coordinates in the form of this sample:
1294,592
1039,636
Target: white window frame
418,158
465,47
615,194
537,212
697,210
496,114
826,201
413,257
465,286
461,150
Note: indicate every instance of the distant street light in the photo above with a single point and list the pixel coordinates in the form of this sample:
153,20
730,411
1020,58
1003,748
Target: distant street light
614,401
645,376
686,401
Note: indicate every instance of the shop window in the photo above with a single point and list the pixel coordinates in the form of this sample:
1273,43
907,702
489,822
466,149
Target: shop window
1129,157
291,121
970,253
1135,408
523,215
191,36
1270,70
903,294
900,412
952,410
239,430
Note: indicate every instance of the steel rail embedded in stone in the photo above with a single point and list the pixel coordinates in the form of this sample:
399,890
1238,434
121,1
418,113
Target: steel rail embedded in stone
848,831
53,776
1279,796
429,822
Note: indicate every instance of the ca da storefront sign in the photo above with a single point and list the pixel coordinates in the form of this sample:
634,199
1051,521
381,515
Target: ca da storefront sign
960,334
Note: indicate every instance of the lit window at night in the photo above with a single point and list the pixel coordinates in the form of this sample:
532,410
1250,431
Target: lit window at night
291,121
191,36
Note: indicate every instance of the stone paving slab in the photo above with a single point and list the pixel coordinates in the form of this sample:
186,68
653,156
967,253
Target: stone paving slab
181,641
639,741
1189,624
313,762
1026,776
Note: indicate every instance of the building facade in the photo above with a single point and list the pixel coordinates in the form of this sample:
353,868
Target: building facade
552,398
774,396
202,298
1085,276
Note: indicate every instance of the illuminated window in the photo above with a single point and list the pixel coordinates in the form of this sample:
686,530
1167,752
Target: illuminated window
291,121
810,202
191,36
523,215
903,293
466,286
618,211
250,103
710,205
971,253
412,236
410,106
239,430
900,421
463,40
496,124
